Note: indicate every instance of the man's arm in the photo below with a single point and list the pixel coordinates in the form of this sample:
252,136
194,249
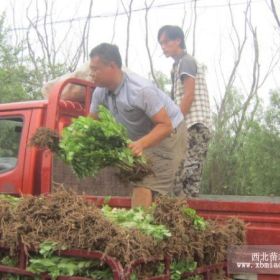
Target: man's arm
163,127
188,97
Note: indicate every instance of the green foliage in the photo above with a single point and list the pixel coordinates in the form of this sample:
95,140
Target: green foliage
10,276
7,260
9,198
19,79
133,276
245,161
89,145
196,277
178,268
137,218
198,222
10,134
11,261
272,115
56,266
259,162
47,248
15,78
163,81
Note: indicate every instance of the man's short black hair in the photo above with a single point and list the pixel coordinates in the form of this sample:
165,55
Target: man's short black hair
173,32
107,53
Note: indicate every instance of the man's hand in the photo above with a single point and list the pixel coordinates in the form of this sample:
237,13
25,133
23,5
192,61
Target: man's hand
162,128
137,148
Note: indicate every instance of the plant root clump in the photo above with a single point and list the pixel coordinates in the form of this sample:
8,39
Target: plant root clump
205,246
45,138
72,222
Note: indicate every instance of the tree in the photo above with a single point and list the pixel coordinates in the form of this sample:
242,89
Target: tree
12,74
220,167
129,14
272,116
163,81
260,157
253,167
275,14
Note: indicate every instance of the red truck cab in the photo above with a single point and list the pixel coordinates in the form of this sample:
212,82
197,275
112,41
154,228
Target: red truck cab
27,170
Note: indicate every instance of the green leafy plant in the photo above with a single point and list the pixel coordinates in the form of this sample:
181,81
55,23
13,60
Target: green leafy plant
136,218
10,276
47,262
9,198
196,277
11,261
198,222
89,145
178,268
159,269
7,260
133,276
47,248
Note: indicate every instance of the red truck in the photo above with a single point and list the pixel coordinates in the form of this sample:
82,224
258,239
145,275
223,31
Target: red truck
27,170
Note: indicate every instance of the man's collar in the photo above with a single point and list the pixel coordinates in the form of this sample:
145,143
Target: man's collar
177,59
117,90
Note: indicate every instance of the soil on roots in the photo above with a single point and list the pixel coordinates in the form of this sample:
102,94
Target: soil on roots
45,138
188,242
72,222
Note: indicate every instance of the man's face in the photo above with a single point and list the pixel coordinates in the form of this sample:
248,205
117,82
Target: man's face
169,47
101,72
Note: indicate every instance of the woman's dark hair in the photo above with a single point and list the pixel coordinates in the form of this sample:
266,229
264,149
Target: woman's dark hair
173,32
107,53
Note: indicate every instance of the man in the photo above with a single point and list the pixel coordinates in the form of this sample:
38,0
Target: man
189,91
153,121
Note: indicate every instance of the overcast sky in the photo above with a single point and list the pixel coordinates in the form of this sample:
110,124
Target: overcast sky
213,43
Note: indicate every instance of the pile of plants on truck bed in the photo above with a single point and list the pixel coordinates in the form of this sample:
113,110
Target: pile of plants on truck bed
89,145
63,220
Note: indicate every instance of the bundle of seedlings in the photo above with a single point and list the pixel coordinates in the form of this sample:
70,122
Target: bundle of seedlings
8,205
220,236
192,237
73,223
89,145
168,228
